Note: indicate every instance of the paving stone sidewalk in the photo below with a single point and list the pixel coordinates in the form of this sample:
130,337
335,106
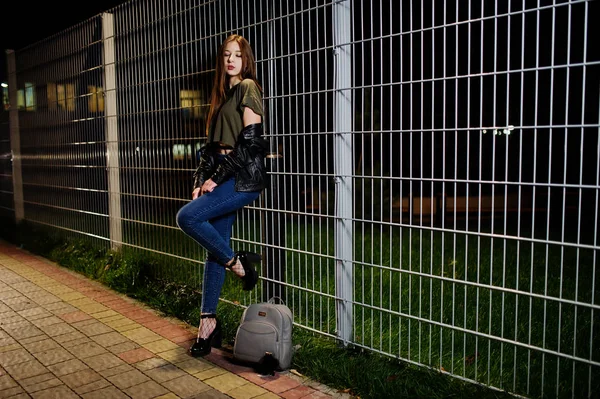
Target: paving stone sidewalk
65,336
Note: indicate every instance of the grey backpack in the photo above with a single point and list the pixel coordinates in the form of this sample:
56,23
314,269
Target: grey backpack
265,333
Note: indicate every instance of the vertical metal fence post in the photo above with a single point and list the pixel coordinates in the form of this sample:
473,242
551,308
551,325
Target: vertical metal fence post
15,138
274,234
343,164
112,132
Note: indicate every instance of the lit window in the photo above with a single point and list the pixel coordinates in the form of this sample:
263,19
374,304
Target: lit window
52,99
190,103
95,99
182,151
20,99
29,97
65,96
5,101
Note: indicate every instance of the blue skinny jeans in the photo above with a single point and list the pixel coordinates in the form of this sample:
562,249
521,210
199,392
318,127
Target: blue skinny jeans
208,220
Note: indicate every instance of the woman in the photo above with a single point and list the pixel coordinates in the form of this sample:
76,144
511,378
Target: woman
231,174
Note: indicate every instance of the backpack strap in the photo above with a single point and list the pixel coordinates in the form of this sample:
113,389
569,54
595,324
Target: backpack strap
272,300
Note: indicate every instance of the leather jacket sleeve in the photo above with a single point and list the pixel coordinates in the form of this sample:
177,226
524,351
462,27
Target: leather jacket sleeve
250,145
205,167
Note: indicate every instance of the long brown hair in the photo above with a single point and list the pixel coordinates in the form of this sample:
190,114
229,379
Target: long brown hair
221,81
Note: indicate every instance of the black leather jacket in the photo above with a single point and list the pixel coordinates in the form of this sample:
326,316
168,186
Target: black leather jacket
246,162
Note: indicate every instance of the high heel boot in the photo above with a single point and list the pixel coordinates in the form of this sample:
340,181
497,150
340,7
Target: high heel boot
247,259
202,346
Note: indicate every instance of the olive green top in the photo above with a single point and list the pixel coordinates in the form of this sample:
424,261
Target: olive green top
229,120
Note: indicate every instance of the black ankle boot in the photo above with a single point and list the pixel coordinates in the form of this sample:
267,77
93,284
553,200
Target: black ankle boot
202,346
250,277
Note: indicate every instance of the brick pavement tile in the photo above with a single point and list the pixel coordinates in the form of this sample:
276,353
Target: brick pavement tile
161,345
70,296
68,367
72,317
20,331
126,327
59,329
194,366
136,355
18,304
175,356
103,361
13,393
55,288
165,373
122,306
46,299
35,338
8,294
169,395
268,395
141,335
108,297
148,389
41,345
96,328
87,322
109,302
123,368
77,339
172,331
8,344
118,321
210,373
139,315
186,386
151,363
53,356
48,381
236,368
60,392
60,308
16,356
109,338
246,391
226,382
122,347
105,393
46,321
24,370
281,384
298,392
34,313
13,317
81,377
185,340
86,349
92,308
112,317
155,323
128,379
105,314
92,386
6,382
25,286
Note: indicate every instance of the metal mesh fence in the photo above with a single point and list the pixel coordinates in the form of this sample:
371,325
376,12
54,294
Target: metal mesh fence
434,168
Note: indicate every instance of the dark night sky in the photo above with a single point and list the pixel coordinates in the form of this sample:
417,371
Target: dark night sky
38,20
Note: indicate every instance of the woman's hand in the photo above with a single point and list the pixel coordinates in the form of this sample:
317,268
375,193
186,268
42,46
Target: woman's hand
208,186
196,193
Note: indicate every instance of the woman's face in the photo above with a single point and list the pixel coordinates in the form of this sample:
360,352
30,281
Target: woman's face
232,57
